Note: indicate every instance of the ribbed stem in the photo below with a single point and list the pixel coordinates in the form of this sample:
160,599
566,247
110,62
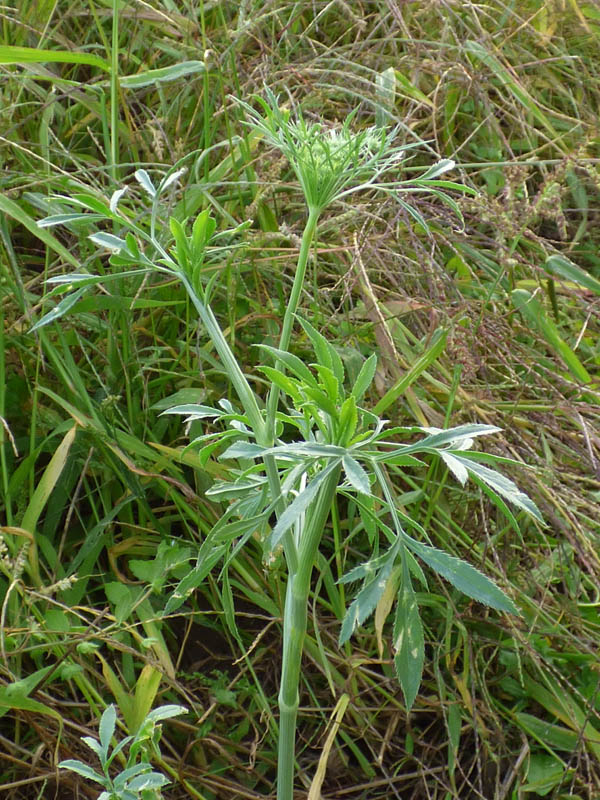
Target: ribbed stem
292,307
273,397
294,630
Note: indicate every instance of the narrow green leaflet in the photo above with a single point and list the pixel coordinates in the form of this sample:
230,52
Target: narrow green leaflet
193,411
367,569
83,770
348,420
109,241
463,576
456,467
208,557
409,642
91,201
305,450
327,355
86,278
242,449
376,574
451,436
292,362
171,178
115,198
321,400
164,712
499,503
145,181
424,361
415,568
121,780
229,490
356,475
299,505
329,382
182,245
365,377
445,165
286,384
59,310
66,219
240,527
106,730
203,230
151,780
412,211
499,483
164,75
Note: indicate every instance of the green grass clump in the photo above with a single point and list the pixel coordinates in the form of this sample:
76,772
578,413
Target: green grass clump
494,321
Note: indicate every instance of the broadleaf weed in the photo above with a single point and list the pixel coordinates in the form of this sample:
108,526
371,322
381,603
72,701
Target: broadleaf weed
137,780
293,460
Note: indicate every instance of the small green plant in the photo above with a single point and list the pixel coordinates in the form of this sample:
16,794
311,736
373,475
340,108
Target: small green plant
293,459
137,780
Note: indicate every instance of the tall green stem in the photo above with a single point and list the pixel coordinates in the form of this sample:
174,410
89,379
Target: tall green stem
294,631
292,307
273,398
299,564
114,94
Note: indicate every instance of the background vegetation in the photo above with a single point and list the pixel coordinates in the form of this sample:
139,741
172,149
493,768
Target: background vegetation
102,504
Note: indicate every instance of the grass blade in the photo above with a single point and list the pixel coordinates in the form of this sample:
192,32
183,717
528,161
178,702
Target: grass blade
30,55
532,311
14,210
163,75
424,361
560,266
